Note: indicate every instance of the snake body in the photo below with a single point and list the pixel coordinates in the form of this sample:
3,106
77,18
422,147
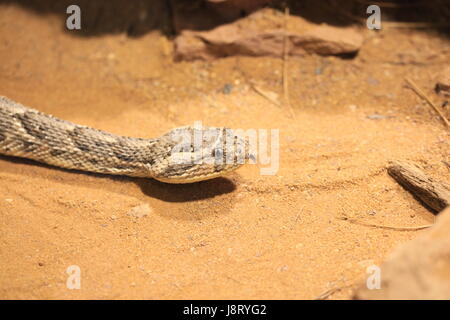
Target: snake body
28,133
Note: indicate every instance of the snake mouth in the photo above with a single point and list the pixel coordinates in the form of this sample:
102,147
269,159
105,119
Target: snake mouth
185,180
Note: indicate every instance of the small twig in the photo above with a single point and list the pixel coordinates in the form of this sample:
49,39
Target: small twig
447,164
421,94
253,86
384,226
262,93
285,63
331,291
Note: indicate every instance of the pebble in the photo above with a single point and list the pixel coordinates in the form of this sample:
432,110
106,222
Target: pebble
366,263
227,88
377,116
299,245
140,211
318,71
283,268
373,81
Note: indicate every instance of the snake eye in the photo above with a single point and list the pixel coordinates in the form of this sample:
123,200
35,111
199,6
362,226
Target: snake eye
217,153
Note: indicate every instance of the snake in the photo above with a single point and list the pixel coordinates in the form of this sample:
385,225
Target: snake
182,155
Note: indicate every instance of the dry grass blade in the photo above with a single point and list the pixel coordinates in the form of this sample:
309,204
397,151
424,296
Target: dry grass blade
421,94
285,63
330,292
384,226
264,94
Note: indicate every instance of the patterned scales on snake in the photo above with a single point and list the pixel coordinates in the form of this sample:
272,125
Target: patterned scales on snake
28,133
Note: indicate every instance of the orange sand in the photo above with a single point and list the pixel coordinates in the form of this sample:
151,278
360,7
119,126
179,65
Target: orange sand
245,236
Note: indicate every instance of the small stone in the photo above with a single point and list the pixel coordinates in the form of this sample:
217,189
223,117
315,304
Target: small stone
366,263
373,81
9,200
318,71
283,268
227,88
140,211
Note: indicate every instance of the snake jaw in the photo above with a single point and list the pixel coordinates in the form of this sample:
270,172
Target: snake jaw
216,152
197,178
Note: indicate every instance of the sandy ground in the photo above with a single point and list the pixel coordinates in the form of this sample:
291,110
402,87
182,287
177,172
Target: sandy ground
242,236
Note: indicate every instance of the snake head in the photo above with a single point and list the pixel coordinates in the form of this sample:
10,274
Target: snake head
204,153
